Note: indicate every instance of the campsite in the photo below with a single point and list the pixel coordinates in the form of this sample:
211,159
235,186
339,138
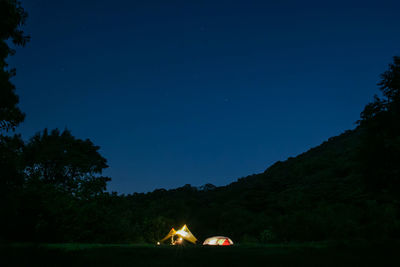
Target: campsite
214,251
199,133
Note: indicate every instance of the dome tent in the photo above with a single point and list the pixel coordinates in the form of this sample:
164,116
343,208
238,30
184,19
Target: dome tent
218,241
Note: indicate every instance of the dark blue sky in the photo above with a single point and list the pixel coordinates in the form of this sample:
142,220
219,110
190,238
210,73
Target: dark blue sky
197,92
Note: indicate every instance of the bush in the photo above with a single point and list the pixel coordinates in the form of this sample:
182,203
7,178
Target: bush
267,236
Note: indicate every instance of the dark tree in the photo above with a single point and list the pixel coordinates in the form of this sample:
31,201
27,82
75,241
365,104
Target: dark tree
380,120
11,181
69,164
390,88
11,164
12,18
62,189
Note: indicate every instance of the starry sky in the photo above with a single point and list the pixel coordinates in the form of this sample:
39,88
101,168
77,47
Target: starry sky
195,92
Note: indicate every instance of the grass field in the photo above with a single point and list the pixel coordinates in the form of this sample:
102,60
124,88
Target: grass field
339,254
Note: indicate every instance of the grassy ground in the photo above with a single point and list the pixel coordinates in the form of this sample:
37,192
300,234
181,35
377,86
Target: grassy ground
339,254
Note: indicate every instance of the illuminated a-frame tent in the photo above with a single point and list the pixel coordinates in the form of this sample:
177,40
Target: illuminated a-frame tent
178,236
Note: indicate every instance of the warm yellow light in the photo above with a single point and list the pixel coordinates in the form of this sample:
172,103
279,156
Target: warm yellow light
158,243
182,233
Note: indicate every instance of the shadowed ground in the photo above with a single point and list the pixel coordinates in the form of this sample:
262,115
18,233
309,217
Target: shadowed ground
339,254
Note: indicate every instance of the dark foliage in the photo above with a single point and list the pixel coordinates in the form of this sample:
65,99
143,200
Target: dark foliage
50,187
12,17
380,120
67,163
11,182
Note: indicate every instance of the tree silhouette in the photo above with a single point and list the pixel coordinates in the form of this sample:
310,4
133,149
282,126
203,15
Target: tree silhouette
12,18
69,164
380,120
390,88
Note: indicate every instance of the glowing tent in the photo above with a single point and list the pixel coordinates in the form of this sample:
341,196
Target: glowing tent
177,237
218,241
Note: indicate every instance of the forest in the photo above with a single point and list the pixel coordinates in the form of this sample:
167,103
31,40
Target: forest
52,189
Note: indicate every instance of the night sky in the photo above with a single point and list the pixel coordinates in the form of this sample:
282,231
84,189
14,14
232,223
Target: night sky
195,92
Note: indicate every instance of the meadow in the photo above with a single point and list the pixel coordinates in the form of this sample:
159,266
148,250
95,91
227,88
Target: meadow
308,254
